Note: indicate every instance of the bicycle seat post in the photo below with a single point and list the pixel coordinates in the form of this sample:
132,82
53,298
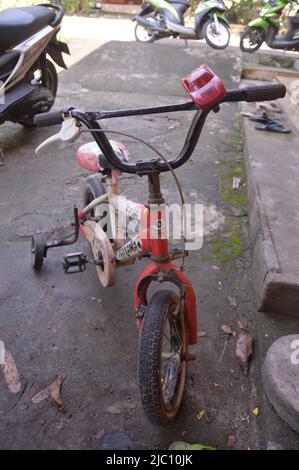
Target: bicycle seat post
150,168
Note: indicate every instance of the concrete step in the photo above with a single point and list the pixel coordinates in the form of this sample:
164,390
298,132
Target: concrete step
272,162
291,101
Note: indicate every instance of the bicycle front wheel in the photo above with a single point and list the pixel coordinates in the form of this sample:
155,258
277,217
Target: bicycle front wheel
161,358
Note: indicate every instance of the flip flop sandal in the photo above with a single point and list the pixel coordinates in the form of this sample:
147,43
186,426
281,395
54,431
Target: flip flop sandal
263,118
246,114
273,127
268,106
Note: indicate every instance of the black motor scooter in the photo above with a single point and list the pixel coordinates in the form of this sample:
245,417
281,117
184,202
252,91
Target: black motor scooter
165,18
28,80
266,28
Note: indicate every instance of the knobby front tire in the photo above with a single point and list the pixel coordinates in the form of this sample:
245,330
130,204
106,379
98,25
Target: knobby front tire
161,361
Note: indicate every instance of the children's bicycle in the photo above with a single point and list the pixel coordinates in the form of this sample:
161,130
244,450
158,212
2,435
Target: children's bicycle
167,320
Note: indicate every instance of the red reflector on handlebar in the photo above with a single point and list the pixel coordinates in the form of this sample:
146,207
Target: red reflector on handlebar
205,88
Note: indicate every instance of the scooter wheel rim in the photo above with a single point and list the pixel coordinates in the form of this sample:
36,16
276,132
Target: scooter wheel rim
252,39
220,39
143,34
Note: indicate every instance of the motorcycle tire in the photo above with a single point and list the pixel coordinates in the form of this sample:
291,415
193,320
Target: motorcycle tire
216,41
143,35
48,80
256,34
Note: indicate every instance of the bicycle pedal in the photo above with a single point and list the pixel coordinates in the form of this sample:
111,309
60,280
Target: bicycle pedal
74,263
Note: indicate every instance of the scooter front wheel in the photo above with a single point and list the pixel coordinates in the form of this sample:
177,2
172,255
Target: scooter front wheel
144,35
216,37
251,39
161,357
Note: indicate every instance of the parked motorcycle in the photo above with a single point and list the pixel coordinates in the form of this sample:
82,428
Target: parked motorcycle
266,28
28,78
160,18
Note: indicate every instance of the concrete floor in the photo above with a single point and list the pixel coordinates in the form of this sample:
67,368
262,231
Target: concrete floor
53,323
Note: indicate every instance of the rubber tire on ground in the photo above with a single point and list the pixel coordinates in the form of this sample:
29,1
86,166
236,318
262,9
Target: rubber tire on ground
242,36
93,189
206,37
50,71
37,252
151,39
149,352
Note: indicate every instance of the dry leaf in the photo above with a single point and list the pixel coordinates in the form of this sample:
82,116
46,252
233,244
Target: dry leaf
227,329
180,445
201,334
40,396
231,442
244,350
236,182
11,374
200,414
115,409
54,391
227,234
232,301
216,268
98,435
256,411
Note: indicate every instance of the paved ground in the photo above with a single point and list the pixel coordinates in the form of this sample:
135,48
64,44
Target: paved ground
88,32
271,173
55,323
97,28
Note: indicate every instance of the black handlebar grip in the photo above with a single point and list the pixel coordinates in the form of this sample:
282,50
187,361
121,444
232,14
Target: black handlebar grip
253,93
265,92
48,119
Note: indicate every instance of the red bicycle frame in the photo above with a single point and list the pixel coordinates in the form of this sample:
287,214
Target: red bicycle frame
150,240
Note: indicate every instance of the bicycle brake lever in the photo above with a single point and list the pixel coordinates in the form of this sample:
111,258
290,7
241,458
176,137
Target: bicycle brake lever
69,132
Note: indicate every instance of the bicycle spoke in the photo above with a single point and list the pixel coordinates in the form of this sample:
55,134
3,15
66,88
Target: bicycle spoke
169,358
167,338
171,380
178,336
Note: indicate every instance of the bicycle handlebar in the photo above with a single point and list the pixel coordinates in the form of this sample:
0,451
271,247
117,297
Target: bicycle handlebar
90,120
49,119
253,93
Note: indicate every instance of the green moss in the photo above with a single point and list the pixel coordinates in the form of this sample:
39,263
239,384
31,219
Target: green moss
275,61
228,244
229,248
